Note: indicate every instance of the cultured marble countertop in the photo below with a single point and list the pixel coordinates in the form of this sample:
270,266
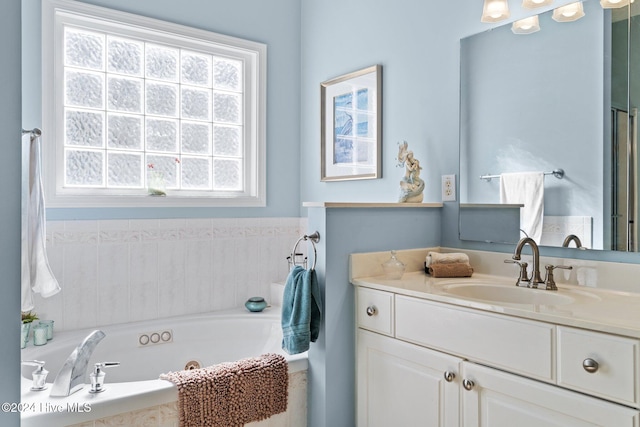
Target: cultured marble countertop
613,312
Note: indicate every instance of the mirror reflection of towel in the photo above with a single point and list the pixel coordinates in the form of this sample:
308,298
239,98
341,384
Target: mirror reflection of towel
525,188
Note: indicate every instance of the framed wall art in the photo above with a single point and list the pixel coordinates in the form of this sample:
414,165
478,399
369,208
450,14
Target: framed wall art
351,126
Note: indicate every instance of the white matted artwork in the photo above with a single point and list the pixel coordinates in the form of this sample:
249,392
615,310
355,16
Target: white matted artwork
351,126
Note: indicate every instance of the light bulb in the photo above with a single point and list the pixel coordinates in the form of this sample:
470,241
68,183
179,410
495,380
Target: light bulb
495,10
613,4
568,13
526,26
531,4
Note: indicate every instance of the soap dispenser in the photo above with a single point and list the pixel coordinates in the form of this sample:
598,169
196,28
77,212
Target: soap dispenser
39,375
393,267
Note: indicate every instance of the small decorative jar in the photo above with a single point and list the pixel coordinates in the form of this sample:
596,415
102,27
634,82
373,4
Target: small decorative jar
49,325
393,268
40,334
255,304
24,334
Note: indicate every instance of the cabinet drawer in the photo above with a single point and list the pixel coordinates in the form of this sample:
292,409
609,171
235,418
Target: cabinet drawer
615,376
518,345
374,310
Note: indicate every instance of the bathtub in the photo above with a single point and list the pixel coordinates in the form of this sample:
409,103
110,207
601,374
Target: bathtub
145,350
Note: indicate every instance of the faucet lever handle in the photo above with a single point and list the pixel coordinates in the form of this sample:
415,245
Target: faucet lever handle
523,279
97,376
39,375
550,283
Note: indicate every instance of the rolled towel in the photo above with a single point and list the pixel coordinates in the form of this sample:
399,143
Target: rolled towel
450,258
457,269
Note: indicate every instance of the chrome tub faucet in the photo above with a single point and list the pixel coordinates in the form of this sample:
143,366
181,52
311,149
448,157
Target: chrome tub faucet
71,377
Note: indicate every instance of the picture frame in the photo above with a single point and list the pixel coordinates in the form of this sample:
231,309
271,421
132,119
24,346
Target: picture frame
351,126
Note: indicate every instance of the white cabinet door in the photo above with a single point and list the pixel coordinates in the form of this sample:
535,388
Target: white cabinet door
401,384
500,399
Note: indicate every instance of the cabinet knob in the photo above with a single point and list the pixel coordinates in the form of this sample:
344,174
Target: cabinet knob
449,376
372,310
590,365
468,384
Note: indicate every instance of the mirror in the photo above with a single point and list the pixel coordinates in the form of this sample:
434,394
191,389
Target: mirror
556,100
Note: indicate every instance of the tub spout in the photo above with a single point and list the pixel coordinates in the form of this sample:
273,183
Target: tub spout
72,375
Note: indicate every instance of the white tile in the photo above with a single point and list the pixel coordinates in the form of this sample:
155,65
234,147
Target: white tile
80,266
172,223
143,224
53,226
113,224
199,276
224,274
88,225
113,305
80,308
171,279
143,285
198,222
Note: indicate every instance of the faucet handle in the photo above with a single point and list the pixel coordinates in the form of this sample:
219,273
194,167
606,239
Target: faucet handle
39,375
97,376
523,279
550,283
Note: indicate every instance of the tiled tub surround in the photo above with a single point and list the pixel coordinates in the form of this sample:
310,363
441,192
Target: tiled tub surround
118,271
167,415
134,396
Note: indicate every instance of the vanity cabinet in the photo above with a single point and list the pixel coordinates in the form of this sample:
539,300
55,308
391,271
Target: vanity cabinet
401,384
427,363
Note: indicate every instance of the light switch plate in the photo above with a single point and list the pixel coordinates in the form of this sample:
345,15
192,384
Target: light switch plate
448,188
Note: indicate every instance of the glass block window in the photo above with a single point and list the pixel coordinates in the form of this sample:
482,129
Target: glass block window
131,106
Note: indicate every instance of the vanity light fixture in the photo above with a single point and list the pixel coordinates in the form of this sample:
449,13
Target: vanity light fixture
568,13
526,26
532,4
495,10
613,4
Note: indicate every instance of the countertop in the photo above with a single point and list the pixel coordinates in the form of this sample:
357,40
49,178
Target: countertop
609,311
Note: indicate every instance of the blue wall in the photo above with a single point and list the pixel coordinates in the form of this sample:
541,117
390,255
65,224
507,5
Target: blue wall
275,23
343,232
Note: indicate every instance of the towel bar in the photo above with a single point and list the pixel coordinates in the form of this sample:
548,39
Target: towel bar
558,173
292,259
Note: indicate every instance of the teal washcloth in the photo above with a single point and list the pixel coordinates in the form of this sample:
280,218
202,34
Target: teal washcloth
301,310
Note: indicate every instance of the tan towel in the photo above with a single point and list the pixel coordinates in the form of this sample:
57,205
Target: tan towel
458,269
232,394
448,258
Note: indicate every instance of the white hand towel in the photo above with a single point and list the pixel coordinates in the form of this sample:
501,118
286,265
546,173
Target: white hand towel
525,188
36,272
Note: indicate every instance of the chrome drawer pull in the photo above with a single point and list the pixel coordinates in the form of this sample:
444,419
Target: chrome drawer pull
372,310
468,384
449,376
590,365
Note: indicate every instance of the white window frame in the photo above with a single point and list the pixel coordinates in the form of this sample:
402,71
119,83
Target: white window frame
56,14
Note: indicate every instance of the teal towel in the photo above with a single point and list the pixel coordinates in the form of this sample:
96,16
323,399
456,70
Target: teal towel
301,310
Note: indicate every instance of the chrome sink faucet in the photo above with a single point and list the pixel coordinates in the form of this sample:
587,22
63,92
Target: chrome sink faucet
72,374
535,279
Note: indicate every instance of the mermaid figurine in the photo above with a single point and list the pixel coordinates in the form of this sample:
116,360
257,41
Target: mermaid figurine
411,186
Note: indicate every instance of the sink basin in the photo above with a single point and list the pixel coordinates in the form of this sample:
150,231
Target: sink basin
507,294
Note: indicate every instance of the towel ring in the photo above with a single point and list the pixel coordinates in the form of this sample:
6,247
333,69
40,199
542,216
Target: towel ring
313,238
